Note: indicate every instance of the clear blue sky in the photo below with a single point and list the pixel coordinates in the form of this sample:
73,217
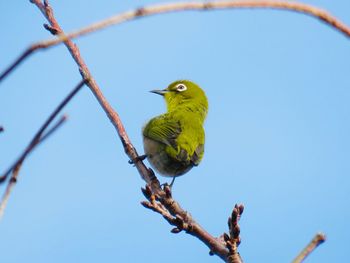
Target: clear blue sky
277,134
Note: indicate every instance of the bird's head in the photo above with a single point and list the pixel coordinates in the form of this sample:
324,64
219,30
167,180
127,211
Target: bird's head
184,93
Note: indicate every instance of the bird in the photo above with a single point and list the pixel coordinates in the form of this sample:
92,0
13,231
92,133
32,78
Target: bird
174,141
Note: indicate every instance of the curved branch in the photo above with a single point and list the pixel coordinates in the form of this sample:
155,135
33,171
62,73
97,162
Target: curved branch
168,8
204,6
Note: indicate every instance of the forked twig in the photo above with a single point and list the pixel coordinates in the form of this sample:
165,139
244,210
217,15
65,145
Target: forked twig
18,165
40,134
172,7
38,138
172,212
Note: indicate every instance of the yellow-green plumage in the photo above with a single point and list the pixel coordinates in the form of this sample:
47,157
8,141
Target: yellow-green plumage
174,141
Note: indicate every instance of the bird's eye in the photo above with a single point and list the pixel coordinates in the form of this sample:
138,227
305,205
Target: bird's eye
181,87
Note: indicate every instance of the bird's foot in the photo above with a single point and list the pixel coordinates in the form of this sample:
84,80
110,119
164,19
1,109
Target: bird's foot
172,182
138,158
170,185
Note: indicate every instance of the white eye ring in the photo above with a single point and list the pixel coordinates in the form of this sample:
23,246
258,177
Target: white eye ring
181,87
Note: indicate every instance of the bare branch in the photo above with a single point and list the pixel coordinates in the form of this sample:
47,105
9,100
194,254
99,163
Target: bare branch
314,243
226,247
176,216
318,13
204,6
18,165
130,150
54,127
39,135
160,200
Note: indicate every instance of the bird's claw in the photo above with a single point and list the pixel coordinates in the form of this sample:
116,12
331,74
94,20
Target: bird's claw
170,185
138,158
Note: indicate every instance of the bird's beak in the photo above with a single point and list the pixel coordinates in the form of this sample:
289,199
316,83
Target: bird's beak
159,92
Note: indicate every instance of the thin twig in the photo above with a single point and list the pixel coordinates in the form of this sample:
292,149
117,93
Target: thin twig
54,127
9,188
174,7
30,50
18,165
314,243
41,131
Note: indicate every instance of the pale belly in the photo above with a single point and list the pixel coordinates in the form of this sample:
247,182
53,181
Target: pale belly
161,161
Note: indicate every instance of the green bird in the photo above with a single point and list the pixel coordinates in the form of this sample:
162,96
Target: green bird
174,141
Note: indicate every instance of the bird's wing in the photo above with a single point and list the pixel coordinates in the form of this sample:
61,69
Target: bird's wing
197,155
164,130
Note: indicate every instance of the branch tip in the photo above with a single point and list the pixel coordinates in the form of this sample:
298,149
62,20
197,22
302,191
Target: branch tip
318,239
146,204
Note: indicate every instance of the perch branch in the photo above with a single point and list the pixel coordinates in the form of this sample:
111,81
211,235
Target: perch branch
225,247
39,136
318,13
17,165
168,207
314,243
130,150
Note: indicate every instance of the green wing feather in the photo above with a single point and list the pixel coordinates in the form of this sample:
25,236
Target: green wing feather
163,129
198,154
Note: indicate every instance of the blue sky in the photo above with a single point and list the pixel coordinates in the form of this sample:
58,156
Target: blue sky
277,134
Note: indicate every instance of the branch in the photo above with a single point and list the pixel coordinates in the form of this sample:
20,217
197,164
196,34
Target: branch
39,135
314,243
168,207
113,116
17,165
225,246
161,200
315,12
